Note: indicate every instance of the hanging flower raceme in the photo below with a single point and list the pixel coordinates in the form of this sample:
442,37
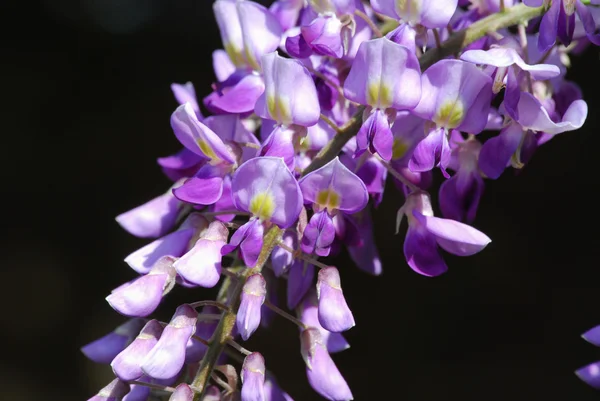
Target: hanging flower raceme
385,76
265,188
328,189
426,233
456,95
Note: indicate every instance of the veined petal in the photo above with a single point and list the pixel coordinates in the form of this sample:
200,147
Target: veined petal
533,116
453,236
334,187
265,187
290,95
383,75
197,137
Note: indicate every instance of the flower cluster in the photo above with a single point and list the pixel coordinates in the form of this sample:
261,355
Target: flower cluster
316,104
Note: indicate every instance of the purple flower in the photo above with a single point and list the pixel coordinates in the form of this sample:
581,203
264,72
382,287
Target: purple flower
429,13
253,378
187,94
426,232
456,95
182,392
334,313
591,373
383,75
104,349
167,357
141,296
127,364
251,300
323,376
300,279
290,95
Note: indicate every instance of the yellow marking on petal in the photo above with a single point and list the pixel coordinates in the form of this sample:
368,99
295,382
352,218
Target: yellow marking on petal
385,96
250,59
373,94
408,9
279,109
379,95
206,149
399,149
235,55
451,114
262,205
328,198
322,6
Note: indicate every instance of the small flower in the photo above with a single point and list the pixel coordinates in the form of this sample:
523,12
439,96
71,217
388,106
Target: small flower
253,378
106,348
251,300
127,365
334,313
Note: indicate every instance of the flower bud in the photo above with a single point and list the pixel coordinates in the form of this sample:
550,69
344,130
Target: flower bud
334,313
127,365
323,376
253,378
140,297
104,349
167,357
252,298
182,392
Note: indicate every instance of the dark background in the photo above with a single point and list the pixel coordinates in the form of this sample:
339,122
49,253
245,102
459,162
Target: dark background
85,112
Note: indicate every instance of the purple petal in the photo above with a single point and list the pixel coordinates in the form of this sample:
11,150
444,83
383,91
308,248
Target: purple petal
590,374
549,27
334,186
153,219
592,336
200,191
496,152
253,378
104,349
127,364
201,265
323,34
187,94
334,313
280,144
265,187
460,195
318,234
297,47
182,164
290,95
309,315
237,96
434,150
182,392
282,259
533,116
222,65
587,20
251,300
364,251
287,12
114,391
139,297
505,57
421,252
249,238
384,74
300,279
261,32
174,244
375,136
453,236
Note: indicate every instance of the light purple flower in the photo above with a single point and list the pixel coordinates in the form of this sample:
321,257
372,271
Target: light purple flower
429,13
334,313
426,232
185,93
251,300
153,219
497,152
534,116
248,31
300,280
201,265
253,378
106,348
249,238
127,364
182,392
167,357
142,296
323,376
290,96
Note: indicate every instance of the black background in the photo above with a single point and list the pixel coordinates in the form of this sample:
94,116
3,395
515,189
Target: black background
85,112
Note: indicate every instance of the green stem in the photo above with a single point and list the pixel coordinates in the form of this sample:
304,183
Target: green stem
457,41
222,333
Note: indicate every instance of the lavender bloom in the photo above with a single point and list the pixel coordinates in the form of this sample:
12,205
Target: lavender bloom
456,95
104,349
429,13
290,95
167,357
182,392
251,300
153,219
334,313
323,376
383,75
258,186
141,296
114,391
308,313
426,233
253,378
127,365
330,188
201,265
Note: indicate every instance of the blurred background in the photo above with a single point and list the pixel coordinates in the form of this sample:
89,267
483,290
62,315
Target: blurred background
85,112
